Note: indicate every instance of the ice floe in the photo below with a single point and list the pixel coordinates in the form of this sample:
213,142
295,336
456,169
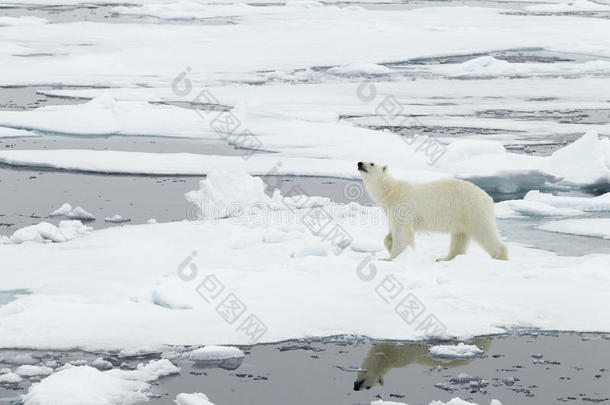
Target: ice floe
31,371
116,219
527,208
180,260
594,227
570,6
593,204
196,398
452,401
45,232
583,163
208,353
360,68
459,351
75,385
10,378
79,213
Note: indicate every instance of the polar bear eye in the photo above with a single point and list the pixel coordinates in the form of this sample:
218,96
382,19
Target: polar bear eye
372,164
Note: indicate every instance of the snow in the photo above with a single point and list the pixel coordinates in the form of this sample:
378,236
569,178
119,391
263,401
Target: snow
84,384
459,351
30,371
66,210
149,287
196,398
594,227
208,353
45,232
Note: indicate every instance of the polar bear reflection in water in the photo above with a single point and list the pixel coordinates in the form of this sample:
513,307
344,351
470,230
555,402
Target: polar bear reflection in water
385,356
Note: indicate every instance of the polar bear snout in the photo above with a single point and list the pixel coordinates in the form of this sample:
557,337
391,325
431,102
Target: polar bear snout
362,167
358,385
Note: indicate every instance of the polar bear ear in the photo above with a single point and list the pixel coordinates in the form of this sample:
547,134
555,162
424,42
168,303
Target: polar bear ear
381,378
384,168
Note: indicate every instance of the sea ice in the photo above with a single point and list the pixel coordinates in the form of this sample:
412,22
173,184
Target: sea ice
45,232
459,351
196,398
30,371
10,378
79,213
116,219
594,227
208,353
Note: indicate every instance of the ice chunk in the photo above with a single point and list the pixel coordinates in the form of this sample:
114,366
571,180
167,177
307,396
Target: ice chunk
459,351
594,227
10,378
360,68
196,398
518,208
585,161
80,213
151,371
66,210
45,232
569,6
116,219
227,193
208,353
484,66
598,203
453,401
30,371
226,357
86,385
101,364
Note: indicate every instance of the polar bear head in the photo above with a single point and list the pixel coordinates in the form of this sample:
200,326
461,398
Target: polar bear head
374,177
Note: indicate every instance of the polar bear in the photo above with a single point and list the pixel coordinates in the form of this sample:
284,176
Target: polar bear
385,356
448,205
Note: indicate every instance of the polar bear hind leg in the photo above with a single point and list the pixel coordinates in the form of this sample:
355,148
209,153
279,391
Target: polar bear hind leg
490,240
459,244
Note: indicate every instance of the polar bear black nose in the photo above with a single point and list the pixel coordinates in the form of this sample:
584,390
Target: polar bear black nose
360,165
357,385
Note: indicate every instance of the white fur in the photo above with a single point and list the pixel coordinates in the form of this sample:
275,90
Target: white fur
449,205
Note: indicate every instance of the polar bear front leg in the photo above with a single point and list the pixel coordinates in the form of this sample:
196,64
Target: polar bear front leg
388,242
402,236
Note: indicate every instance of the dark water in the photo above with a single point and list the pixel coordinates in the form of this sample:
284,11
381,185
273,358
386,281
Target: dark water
515,369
